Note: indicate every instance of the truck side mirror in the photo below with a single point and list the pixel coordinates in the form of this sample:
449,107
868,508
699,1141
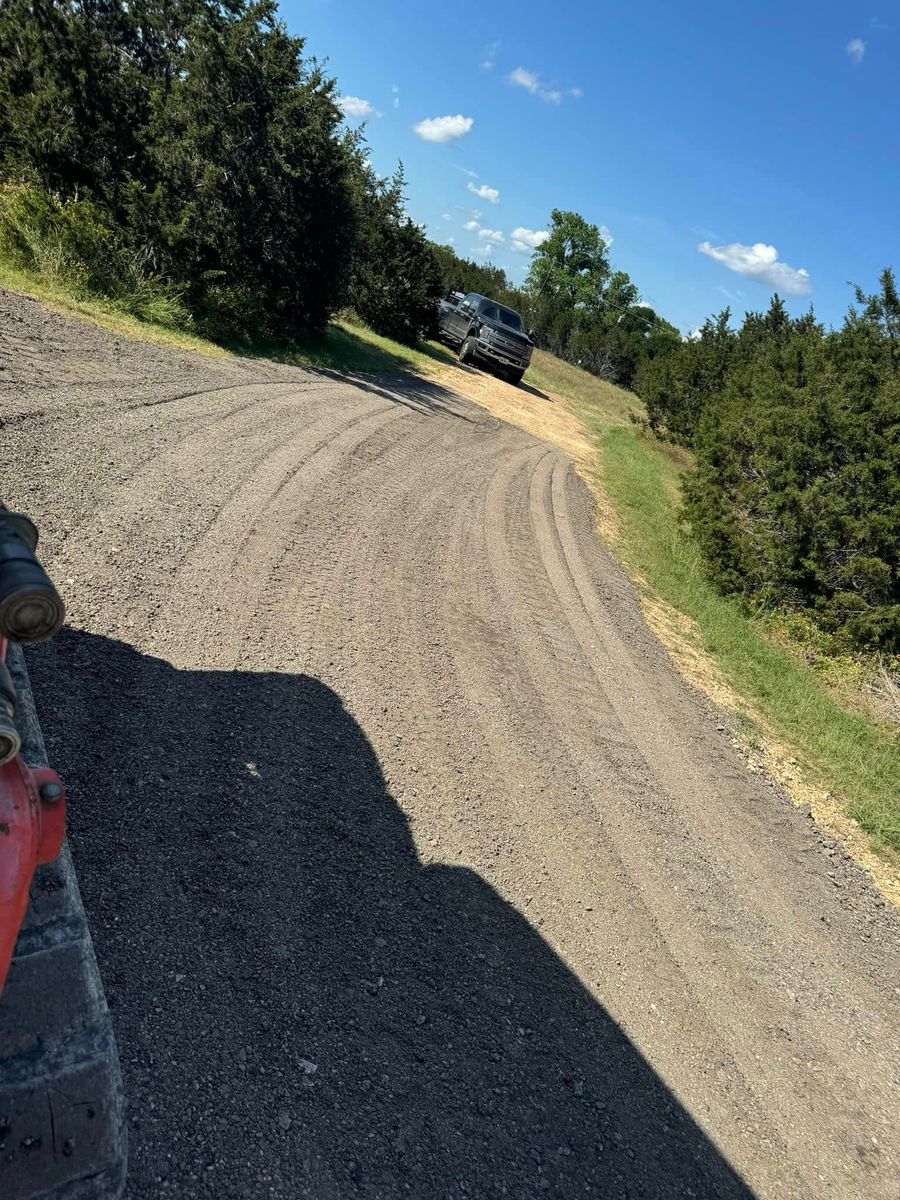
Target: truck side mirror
532,335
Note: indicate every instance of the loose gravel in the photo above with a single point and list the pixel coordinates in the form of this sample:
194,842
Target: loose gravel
413,868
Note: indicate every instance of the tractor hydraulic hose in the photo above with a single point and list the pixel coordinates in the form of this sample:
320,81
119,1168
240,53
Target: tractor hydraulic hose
10,739
30,606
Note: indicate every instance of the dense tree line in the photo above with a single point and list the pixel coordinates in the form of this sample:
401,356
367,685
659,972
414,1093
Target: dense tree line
195,142
464,275
187,156
586,312
795,497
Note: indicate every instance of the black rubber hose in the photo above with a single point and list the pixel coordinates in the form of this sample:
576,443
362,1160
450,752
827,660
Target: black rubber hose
31,609
10,739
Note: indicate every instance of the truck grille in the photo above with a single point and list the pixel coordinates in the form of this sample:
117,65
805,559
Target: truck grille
508,347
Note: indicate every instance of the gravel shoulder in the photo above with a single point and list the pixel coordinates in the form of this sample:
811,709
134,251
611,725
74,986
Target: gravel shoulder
413,867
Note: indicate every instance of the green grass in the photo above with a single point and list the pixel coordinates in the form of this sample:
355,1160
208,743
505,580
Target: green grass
346,345
850,754
604,401
105,313
351,348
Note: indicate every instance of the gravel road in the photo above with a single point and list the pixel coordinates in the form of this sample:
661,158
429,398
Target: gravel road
414,870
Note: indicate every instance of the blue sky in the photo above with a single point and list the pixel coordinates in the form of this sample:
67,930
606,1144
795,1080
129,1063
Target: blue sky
736,127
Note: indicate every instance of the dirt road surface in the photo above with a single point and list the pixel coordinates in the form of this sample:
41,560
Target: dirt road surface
413,867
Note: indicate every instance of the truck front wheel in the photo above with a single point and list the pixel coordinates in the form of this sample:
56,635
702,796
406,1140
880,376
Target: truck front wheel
514,376
467,350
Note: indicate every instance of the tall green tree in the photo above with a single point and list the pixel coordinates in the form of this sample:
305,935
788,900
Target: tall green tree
202,132
74,101
250,200
570,269
395,279
584,311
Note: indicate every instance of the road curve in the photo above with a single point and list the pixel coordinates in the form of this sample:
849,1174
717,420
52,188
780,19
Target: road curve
413,867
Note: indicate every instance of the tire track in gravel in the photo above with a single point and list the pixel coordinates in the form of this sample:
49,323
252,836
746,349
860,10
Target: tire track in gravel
644,842
253,530
603,862
413,868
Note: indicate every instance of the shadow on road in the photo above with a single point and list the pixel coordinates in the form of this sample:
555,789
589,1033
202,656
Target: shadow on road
412,391
303,1007
468,369
535,391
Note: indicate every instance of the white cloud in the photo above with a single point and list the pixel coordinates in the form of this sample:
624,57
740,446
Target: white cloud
471,174
450,241
606,235
760,262
877,23
532,82
356,109
488,235
490,56
856,50
524,240
395,92
445,217
443,129
484,193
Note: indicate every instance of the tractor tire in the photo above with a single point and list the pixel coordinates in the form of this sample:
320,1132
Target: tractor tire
62,1110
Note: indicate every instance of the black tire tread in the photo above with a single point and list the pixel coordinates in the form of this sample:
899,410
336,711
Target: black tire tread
62,1109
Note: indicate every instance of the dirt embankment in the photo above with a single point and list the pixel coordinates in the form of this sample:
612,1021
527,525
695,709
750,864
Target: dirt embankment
414,869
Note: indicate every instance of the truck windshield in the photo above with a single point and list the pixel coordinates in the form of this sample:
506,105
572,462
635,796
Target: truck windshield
496,312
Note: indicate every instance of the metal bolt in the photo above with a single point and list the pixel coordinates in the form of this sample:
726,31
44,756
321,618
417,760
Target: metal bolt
51,792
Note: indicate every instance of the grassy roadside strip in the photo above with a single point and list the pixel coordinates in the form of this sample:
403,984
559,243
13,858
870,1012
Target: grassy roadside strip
345,346
60,298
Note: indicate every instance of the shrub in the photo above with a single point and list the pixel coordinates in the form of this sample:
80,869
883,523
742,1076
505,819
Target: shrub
395,280
676,387
74,243
795,498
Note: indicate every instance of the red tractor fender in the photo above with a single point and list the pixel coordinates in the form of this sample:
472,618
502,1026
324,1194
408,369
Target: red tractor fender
32,828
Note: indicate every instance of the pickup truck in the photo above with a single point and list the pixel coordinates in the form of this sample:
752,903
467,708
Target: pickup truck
487,332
